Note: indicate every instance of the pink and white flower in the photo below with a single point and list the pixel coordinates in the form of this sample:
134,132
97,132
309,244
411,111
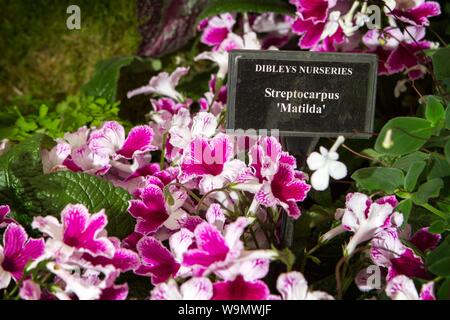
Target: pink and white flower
293,286
416,12
79,232
365,218
53,160
204,124
311,21
224,254
86,284
215,99
398,50
217,29
152,212
211,161
30,290
240,289
219,55
4,211
403,288
157,261
163,84
193,289
285,188
16,252
110,140
123,259
388,251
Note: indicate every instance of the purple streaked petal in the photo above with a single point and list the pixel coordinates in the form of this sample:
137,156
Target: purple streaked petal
239,289
410,265
293,210
391,200
419,15
30,290
123,259
402,288
292,286
180,242
18,251
14,240
197,289
156,260
427,292
234,231
116,292
215,216
254,269
82,231
139,140
211,247
4,211
425,240
214,36
285,187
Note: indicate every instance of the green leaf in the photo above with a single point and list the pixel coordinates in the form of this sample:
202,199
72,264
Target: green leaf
405,162
440,168
444,290
18,164
441,268
441,66
447,117
215,7
104,82
447,151
413,175
438,227
405,207
434,111
408,134
29,192
379,178
50,193
428,190
441,252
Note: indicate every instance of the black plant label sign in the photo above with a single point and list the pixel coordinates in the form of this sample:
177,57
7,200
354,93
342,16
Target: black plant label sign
305,94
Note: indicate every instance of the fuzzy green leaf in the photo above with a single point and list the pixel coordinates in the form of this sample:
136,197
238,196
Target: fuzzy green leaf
413,175
104,82
408,134
428,190
50,193
379,178
434,111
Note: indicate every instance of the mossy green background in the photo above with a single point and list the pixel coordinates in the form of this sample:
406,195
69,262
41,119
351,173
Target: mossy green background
42,60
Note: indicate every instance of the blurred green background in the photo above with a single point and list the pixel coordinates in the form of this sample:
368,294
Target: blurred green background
41,60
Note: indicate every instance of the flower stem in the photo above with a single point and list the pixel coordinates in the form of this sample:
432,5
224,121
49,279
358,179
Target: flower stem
437,212
163,151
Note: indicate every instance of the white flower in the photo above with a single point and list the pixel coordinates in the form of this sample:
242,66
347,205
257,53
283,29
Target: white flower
233,41
4,146
403,288
193,289
332,25
204,124
293,286
218,57
163,84
325,164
